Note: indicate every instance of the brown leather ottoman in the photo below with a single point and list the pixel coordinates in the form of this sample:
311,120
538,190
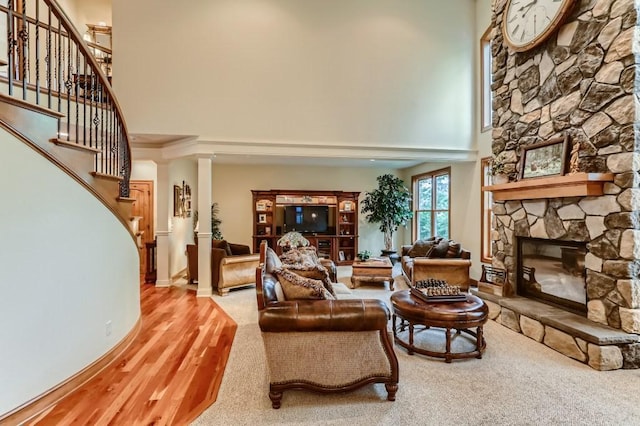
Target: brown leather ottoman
461,316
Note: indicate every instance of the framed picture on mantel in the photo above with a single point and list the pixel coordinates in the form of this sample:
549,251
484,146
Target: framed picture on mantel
544,159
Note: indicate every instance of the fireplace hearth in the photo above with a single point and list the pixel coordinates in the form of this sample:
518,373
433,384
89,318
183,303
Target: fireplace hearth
553,272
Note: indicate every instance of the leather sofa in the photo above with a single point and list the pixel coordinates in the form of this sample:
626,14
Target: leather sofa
451,266
325,346
232,265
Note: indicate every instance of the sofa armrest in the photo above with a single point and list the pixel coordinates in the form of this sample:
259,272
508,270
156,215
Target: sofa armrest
331,268
404,250
324,315
244,258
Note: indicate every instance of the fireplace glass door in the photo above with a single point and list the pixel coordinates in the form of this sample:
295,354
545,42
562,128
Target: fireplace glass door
553,272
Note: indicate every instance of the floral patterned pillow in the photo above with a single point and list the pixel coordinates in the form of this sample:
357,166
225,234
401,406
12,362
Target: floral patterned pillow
317,272
296,287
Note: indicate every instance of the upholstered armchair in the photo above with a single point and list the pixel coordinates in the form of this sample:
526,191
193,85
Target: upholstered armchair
324,346
232,265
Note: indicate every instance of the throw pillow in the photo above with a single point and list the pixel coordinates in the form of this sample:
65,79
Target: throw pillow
420,248
272,261
296,287
454,249
317,272
239,249
440,249
222,244
295,256
311,252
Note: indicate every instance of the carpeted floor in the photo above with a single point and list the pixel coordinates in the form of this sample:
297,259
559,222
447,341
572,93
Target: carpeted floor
517,382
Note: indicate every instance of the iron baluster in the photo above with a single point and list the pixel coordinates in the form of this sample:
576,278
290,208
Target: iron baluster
11,45
37,27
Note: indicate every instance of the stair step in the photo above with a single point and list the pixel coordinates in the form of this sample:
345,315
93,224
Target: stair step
106,176
73,145
126,199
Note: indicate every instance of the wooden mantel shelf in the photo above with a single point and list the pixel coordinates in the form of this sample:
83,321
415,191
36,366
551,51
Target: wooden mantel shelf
575,185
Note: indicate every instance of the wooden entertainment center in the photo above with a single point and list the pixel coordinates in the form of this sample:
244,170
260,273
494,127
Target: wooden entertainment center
328,219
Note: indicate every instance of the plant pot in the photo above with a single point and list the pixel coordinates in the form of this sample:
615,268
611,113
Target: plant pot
392,255
499,179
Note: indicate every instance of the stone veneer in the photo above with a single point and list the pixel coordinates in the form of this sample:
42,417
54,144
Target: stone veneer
580,82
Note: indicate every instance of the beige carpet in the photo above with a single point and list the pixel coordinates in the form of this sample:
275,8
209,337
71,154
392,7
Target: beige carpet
517,382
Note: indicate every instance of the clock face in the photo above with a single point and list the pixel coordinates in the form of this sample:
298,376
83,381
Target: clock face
527,22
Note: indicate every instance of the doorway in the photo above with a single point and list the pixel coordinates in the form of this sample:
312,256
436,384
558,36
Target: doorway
142,192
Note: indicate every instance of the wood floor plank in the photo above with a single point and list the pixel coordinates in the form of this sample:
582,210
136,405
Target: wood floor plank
168,376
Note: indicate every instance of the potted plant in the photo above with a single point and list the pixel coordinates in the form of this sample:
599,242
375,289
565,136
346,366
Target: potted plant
216,233
499,172
389,205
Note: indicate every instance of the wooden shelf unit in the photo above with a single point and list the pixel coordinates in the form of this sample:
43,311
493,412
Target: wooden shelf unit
339,244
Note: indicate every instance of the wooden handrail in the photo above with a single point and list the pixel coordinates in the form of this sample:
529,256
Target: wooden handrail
48,57
79,40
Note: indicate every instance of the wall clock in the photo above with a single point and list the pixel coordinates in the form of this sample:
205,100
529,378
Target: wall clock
527,23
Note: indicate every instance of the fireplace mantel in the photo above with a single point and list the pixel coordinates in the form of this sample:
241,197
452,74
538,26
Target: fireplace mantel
574,185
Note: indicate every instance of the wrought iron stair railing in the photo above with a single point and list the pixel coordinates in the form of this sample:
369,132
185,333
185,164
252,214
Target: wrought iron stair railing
49,64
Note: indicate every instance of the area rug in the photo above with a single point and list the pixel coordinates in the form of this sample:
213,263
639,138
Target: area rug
517,382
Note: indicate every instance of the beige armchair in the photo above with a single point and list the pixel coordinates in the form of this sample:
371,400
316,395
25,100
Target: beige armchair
232,266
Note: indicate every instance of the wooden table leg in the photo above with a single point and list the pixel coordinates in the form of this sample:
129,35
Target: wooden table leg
479,345
410,349
447,353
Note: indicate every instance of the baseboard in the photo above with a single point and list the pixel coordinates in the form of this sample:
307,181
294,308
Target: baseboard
50,397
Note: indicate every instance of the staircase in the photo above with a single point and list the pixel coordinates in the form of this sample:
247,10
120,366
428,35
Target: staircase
56,97
71,290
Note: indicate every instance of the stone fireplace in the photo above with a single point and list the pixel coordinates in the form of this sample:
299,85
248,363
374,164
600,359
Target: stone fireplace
580,83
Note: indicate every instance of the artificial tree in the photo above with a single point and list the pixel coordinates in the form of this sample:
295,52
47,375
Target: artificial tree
389,205
216,233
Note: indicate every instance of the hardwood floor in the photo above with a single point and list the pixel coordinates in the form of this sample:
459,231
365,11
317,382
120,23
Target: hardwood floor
168,376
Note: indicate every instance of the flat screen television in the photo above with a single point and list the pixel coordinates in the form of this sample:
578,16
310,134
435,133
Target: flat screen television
306,219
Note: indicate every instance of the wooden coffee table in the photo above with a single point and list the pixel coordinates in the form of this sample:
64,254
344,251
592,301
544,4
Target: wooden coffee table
461,316
373,270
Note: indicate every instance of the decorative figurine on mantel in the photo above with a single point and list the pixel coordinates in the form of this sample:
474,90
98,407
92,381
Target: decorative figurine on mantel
573,160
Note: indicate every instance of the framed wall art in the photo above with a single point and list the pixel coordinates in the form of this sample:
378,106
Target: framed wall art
177,200
544,159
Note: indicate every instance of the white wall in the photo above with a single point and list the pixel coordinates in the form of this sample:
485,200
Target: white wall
82,12
232,185
68,266
93,12
350,72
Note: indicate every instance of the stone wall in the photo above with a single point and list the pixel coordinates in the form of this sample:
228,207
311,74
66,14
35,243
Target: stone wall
580,82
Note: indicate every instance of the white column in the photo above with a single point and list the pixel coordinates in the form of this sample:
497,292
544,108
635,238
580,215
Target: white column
162,227
204,228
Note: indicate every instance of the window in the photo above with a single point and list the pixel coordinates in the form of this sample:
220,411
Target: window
431,195
486,198
485,57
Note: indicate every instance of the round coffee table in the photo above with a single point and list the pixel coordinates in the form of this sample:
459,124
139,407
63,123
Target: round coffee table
461,316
